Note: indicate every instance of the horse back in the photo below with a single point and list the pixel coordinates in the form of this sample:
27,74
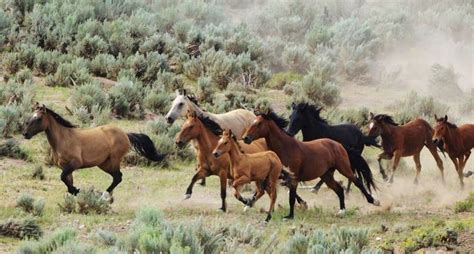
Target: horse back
467,135
237,120
320,155
258,145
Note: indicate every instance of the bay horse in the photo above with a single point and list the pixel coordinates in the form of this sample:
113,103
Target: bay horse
458,142
206,133
309,160
237,120
403,141
73,148
307,118
263,167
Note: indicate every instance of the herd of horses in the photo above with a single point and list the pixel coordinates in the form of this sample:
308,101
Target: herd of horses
243,147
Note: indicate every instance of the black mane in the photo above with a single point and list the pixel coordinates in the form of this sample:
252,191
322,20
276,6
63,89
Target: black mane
60,119
451,125
385,118
193,99
211,125
279,120
313,110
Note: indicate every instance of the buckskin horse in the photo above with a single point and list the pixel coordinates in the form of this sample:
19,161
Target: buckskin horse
206,134
307,118
458,142
263,167
309,160
403,141
73,148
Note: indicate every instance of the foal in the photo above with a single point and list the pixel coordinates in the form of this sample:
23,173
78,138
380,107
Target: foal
309,160
458,142
264,168
402,141
206,134
73,148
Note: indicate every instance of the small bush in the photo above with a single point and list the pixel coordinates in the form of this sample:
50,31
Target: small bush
428,236
466,205
24,75
281,79
11,149
11,62
25,202
38,173
86,202
414,106
71,74
102,65
88,96
126,99
53,242
106,237
157,101
27,229
317,90
38,207
444,82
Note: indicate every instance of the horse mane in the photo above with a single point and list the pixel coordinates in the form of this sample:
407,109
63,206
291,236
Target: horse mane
279,120
211,125
451,125
192,98
60,119
237,143
313,110
385,118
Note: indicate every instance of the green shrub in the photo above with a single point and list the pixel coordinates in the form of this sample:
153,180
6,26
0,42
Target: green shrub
38,173
90,46
76,247
205,89
26,229
317,90
24,75
102,65
414,106
87,201
156,63
71,74
359,117
47,62
281,79
88,96
25,202
444,82
434,235
466,205
11,62
53,242
106,237
296,58
38,207
126,98
157,101
10,148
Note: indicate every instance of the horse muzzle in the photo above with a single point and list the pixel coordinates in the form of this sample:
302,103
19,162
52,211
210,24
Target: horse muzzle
169,120
216,154
180,144
26,135
248,139
435,141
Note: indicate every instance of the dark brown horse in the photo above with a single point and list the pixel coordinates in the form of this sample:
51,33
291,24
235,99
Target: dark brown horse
308,160
74,148
403,141
458,142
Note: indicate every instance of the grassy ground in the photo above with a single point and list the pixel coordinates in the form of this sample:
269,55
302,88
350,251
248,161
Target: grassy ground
407,209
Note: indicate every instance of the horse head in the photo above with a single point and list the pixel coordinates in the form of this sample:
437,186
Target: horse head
179,107
37,123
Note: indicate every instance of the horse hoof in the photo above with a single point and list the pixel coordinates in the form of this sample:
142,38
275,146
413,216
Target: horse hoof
287,218
106,197
303,206
222,210
187,196
376,202
246,208
341,213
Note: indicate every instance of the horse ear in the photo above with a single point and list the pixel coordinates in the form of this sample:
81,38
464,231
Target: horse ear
371,115
293,105
184,92
436,117
43,108
445,118
177,92
229,132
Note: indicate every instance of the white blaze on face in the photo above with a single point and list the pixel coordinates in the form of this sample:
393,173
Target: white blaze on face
371,125
35,115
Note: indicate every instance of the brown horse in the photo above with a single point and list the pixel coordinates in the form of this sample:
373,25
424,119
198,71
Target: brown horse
458,142
74,148
402,141
308,160
264,168
206,134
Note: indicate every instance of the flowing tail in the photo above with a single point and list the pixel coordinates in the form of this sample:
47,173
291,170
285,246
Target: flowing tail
143,145
371,141
361,168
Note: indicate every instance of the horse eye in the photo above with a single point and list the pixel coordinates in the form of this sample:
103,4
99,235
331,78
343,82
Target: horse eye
180,104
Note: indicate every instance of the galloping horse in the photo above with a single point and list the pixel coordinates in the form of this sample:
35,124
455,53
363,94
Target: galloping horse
73,148
402,141
309,160
306,117
264,168
458,142
236,120
206,134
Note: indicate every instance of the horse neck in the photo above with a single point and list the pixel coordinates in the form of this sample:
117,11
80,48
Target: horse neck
387,133
315,130
207,140
196,108
280,143
234,153
453,140
57,134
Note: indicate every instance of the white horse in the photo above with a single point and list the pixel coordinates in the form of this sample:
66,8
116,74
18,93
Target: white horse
236,120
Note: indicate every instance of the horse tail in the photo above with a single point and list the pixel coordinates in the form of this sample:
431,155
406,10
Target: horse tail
143,145
371,141
287,177
361,168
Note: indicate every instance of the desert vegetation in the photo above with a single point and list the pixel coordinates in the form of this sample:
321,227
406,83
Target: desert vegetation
120,62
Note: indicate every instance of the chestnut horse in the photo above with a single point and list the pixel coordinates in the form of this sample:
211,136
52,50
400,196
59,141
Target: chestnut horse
73,148
206,134
308,160
264,168
458,142
402,141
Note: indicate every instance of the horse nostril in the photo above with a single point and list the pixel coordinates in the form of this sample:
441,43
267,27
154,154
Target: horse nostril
247,139
215,154
169,120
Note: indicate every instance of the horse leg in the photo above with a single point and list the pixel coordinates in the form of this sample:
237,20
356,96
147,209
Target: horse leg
203,182
316,187
328,179
223,182
273,195
237,184
396,160
347,172
257,195
189,191
66,177
383,156
438,160
292,199
416,158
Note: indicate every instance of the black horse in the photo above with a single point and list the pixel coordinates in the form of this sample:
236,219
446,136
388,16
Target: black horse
306,117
